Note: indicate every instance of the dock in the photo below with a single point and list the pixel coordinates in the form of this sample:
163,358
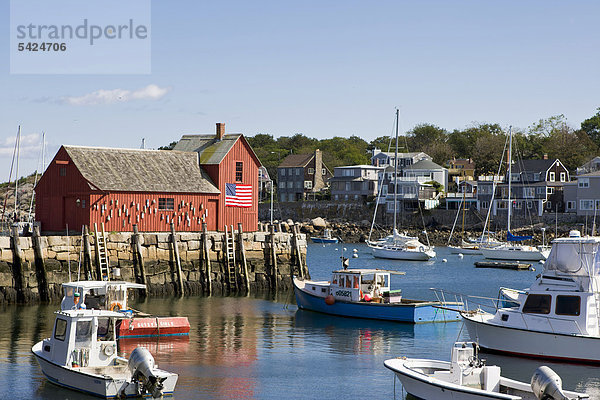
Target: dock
502,265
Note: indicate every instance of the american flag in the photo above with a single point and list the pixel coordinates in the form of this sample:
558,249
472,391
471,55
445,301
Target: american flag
238,195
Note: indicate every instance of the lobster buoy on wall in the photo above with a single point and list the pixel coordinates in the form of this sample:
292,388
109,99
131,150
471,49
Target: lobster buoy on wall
116,307
329,300
367,297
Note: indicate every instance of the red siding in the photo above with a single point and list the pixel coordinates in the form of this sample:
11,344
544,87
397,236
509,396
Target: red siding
51,205
120,210
225,173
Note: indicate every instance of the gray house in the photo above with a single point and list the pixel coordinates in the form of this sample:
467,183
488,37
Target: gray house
583,197
355,182
300,175
383,159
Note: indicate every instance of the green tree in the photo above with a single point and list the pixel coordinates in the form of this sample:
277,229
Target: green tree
591,127
487,153
424,135
463,141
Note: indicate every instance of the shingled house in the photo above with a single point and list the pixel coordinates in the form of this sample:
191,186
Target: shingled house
122,187
299,175
233,167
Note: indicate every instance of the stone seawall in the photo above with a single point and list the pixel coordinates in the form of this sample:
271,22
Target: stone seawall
62,254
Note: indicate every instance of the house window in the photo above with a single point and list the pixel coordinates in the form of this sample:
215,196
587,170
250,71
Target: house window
165,203
311,171
586,205
384,190
528,193
282,171
570,205
540,190
323,171
62,171
568,305
563,176
485,204
82,203
517,205
537,304
529,204
307,184
298,184
502,204
290,185
583,182
549,190
298,171
281,185
347,189
239,170
552,177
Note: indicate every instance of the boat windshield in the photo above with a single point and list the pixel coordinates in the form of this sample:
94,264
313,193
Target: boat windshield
83,331
576,258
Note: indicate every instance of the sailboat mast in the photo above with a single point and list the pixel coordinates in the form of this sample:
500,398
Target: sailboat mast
396,172
509,176
17,173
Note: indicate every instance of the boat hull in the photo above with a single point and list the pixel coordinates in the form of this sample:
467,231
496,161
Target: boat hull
460,250
538,344
512,255
323,240
153,326
424,387
417,312
381,252
93,384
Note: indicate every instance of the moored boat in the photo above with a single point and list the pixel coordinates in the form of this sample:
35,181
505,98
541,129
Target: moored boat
326,237
82,355
466,377
113,296
366,293
557,316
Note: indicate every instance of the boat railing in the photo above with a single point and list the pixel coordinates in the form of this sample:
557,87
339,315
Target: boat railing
577,329
470,302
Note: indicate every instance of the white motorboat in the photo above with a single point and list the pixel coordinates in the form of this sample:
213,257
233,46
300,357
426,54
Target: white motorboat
466,377
82,355
558,316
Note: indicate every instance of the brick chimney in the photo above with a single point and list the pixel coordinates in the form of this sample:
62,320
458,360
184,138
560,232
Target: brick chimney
545,156
318,177
220,130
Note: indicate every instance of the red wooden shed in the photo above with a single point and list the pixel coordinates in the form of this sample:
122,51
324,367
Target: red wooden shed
233,166
122,187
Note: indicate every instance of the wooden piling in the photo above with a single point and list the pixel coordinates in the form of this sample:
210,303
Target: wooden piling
273,257
206,258
243,257
295,231
87,254
40,267
17,267
138,257
178,272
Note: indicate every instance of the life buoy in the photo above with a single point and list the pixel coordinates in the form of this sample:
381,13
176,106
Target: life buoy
109,350
422,249
116,307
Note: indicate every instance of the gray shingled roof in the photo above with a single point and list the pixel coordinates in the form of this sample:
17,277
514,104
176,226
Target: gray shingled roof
296,160
424,164
141,170
211,150
532,165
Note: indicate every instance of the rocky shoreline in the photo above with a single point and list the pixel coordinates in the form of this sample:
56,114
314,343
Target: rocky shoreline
349,232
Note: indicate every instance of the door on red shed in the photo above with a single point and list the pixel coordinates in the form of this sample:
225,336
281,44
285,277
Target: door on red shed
213,214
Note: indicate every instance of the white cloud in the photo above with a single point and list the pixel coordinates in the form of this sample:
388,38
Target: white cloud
102,96
29,147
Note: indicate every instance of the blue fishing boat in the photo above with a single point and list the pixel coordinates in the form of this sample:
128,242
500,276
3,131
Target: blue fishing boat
366,293
325,238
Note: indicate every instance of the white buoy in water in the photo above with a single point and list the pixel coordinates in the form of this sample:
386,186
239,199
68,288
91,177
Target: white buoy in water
531,269
336,249
444,260
355,250
354,255
345,249
460,255
542,262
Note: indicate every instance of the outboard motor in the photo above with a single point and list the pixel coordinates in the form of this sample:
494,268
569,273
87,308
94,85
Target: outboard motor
141,365
547,385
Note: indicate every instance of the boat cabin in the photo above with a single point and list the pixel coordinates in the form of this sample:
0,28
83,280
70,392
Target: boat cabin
82,338
99,295
356,285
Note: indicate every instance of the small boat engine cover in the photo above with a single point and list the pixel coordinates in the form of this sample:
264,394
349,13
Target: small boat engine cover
141,365
547,385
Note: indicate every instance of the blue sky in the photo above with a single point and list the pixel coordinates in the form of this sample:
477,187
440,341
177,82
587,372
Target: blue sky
321,68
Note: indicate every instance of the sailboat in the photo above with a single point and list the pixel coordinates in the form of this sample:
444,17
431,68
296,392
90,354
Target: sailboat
400,246
512,250
464,247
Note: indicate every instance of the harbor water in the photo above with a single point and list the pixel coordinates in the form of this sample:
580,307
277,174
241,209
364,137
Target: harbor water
262,347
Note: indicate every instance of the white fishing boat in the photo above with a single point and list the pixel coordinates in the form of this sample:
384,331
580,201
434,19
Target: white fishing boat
399,246
82,355
466,377
113,296
511,250
557,317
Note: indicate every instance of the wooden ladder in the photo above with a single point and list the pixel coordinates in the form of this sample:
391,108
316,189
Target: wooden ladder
230,259
101,253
